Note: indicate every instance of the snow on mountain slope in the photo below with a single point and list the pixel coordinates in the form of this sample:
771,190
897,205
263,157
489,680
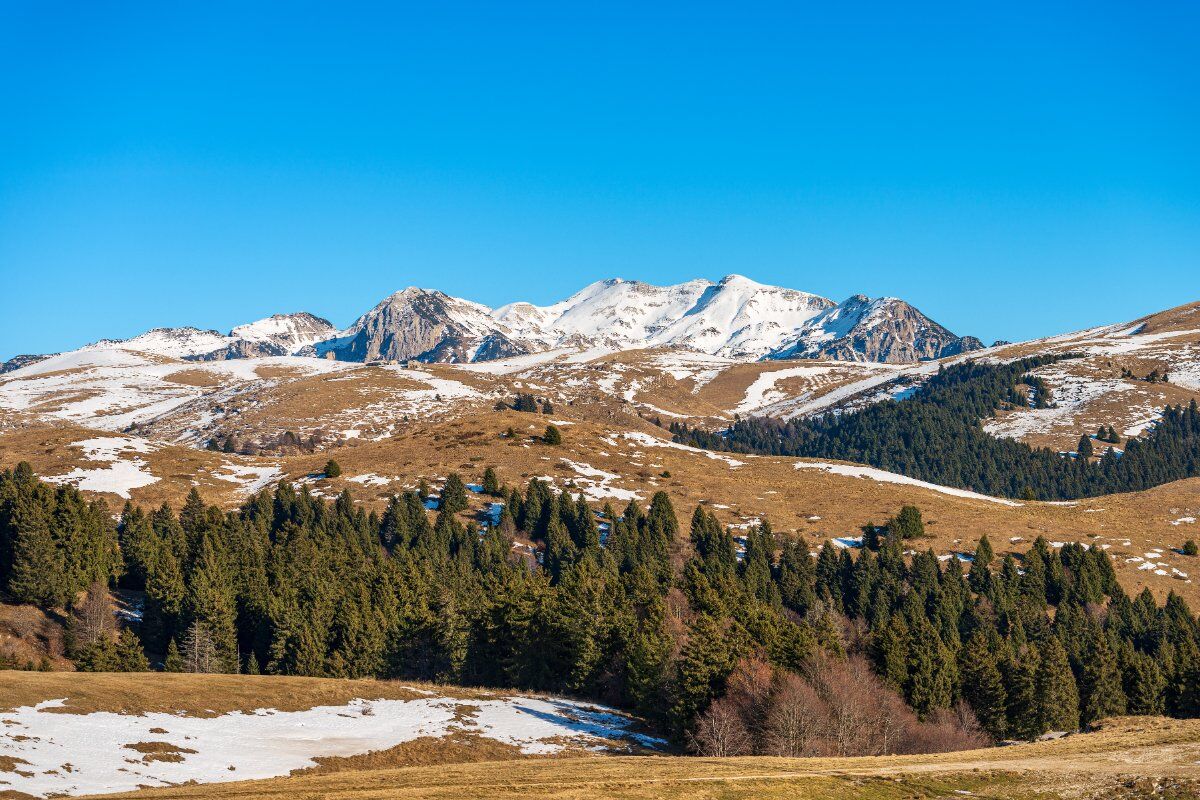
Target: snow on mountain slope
290,332
886,330
736,317
733,318
423,325
171,342
277,335
1121,375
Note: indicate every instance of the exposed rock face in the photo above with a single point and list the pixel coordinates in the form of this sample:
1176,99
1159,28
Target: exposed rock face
734,317
16,362
423,325
888,330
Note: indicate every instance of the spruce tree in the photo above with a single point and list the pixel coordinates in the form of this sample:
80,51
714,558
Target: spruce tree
1101,690
1084,447
454,495
983,685
174,659
1056,698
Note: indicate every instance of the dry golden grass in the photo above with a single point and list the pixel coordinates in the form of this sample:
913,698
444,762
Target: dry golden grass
1128,757
194,377
809,503
200,695
1131,757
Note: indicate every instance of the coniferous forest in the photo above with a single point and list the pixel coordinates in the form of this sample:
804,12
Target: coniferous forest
936,435
768,650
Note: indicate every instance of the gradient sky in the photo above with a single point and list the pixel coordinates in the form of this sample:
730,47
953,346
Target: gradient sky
1013,169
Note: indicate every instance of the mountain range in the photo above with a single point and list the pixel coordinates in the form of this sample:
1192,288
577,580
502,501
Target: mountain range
734,317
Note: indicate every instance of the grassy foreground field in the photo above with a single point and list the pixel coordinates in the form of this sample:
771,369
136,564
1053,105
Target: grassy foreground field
1131,757
1127,758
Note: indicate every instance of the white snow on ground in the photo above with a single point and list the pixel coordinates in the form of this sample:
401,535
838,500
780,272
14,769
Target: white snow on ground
855,471
252,479
507,366
1184,521
763,392
120,476
596,483
802,406
111,389
1070,394
440,389
647,440
700,368
1186,375
371,479
268,743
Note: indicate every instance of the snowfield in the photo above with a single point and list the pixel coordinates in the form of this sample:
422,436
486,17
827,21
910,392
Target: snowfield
59,753
120,476
871,473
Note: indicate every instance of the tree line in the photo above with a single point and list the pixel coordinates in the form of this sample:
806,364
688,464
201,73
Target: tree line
937,435
911,653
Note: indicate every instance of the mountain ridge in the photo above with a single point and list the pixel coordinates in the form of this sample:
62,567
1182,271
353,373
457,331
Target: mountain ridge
735,317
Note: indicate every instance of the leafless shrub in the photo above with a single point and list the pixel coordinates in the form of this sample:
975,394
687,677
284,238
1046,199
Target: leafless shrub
837,707
720,731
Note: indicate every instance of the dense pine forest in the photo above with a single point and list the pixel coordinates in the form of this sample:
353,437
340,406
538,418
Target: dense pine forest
936,435
729,648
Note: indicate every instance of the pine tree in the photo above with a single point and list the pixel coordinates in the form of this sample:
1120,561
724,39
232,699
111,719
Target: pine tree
1023,721
332,469
174,660
1056,698
552,436
491,484
129,654
931,676
1144,684
983,685
1100,687
1085,447
37,574
454,495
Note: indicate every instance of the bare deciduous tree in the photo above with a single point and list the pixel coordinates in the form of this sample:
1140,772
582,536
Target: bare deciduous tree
720,731
93,618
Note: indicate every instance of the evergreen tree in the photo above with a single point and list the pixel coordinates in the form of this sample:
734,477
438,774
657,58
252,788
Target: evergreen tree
552,436
1056,698
454,495
1100,686
491,484
174,660
983,685
332,469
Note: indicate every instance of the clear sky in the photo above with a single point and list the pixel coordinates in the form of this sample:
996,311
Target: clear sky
1013,169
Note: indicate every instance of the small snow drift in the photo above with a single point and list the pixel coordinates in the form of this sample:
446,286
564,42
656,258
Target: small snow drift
109,752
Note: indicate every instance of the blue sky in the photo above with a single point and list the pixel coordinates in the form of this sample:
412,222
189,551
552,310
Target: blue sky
1013,169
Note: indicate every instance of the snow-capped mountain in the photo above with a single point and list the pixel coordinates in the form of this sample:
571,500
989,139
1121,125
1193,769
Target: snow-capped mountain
887,330
732,318
278,335
424,325
735,317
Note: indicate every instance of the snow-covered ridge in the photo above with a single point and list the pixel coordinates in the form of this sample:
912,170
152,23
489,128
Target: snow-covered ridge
732,318
277,335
